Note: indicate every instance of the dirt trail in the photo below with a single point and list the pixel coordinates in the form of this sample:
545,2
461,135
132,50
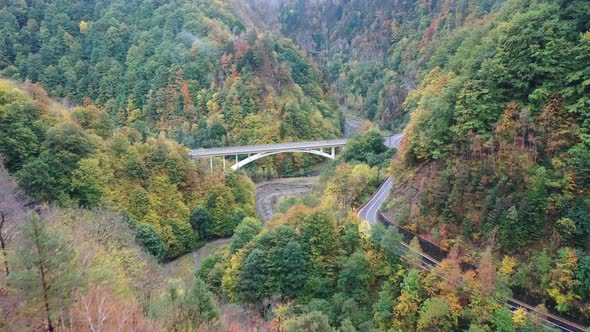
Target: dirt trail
184,266
266,192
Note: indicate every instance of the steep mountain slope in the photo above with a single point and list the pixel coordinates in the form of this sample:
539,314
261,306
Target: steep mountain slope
373,51
78,158
497,150
186,68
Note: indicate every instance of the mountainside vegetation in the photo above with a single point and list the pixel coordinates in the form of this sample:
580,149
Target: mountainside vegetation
79,158
499,128
317,267
186,69
106,224
372,52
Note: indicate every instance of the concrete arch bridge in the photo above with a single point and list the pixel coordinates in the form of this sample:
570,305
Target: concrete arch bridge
326,149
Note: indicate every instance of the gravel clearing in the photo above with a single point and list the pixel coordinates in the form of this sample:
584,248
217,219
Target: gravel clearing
267,192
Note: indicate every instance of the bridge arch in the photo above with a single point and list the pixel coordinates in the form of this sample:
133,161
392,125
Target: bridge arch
257,156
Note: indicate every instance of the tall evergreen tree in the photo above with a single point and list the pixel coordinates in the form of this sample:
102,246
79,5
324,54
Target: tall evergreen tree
294,269
201,221
200,304
44,272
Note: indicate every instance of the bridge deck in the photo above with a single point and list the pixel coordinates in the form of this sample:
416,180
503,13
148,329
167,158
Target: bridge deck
252,149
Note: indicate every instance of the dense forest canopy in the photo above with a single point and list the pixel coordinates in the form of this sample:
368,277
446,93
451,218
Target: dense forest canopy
499,127
186,68
100,102
372,52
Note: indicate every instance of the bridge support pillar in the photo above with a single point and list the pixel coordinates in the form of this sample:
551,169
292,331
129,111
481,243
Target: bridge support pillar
223,162
333,152
211,164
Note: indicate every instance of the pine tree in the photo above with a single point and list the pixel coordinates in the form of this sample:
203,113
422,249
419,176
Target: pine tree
44,270
535,207
509,238
294,268
200,304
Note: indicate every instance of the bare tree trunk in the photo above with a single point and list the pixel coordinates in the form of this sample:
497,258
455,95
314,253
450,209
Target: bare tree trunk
3,243
43,283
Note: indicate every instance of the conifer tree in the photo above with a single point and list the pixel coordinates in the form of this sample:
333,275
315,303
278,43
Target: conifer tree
200,303
44,273
294,268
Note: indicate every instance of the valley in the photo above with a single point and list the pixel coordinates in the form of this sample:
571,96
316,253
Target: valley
291,165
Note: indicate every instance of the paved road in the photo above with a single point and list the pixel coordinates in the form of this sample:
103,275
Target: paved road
394,141
370,212
371,209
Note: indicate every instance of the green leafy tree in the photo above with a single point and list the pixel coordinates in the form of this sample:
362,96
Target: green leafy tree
246,231
391,242
310,322
319,238
502,320
221,204
354,277
20,134
201,221
39,178
254,280
347,326
383,308
435,315
151,240
178,236
90,182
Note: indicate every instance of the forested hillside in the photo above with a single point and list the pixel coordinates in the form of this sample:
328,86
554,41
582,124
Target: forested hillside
78,158
317,267
497,151
100,102
372,52
145,74
71,269
188,69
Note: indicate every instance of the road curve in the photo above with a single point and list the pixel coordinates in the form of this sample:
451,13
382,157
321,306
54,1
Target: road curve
370,213
370,210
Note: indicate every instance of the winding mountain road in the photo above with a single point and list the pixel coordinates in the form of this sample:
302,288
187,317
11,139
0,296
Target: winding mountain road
370,210
371,213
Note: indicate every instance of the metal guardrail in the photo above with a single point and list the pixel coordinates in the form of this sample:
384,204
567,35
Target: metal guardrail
428,247
433,255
